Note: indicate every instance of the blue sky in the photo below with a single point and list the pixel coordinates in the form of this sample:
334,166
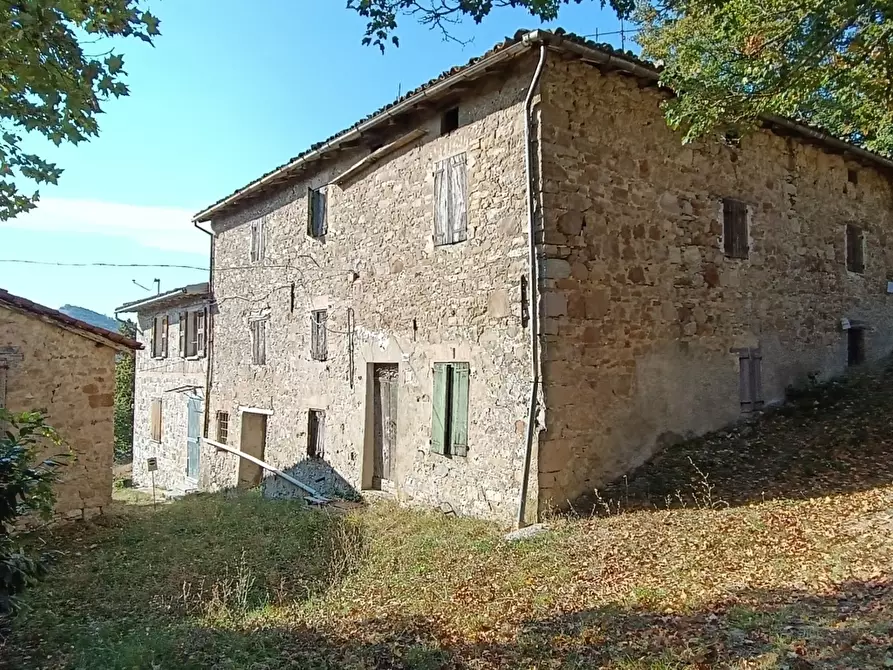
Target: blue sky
230,90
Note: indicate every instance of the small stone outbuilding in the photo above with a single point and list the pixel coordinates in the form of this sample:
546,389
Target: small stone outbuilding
170,378
51,361
388,303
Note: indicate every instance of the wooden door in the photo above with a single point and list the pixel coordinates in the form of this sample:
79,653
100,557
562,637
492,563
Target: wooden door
384,398
193,435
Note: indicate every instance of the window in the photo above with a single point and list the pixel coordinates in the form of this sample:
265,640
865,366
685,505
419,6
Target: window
258,341
750,379
734,228
855,249
316,431
450,193
155,420
449,411
318,341
449,121
855,340
222,427
257,241
4,377
192,333
316,212
159,337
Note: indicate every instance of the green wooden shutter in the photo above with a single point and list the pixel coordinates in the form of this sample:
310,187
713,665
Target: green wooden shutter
438,408
310,208
459,415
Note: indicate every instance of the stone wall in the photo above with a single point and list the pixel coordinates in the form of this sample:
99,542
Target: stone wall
73,379
642,308
412,304
164,378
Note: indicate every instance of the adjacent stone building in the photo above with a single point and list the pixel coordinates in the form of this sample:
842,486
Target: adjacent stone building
375,302
65,366
170,379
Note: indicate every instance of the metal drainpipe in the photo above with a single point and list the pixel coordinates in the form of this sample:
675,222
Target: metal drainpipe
209,328
533,283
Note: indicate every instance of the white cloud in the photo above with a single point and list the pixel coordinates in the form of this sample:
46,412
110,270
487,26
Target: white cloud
167,228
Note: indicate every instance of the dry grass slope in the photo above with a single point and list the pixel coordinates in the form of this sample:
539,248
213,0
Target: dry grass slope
776,551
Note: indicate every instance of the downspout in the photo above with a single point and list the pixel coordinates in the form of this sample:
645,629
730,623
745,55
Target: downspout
533,283
209,328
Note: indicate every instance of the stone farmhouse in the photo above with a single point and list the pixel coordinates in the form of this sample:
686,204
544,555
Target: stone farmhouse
169,388
65,366
515,283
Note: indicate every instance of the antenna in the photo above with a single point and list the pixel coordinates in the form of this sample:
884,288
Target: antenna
145,288
157,286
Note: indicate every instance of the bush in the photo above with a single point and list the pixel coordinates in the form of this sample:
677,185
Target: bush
26,488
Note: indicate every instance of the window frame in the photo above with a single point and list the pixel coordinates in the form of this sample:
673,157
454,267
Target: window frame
257,241
316,433
856,352
451,213
222,433
735,231
450,402
156,426
317,224
449,120
854,248
258,333
319,344
159,336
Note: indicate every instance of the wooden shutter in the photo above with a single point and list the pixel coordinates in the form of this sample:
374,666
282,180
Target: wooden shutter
458,199
438,408
155,419
154,337
322,212
4,377
164,322
750,379
459,413
735,242
254,242
201,318
184,333
441,204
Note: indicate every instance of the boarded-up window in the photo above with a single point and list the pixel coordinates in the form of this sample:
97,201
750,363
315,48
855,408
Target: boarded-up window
449,411
734,228
750,379
257,241
855,249
155,420
317,204
316,431
222,427
258,341
450,201
319,347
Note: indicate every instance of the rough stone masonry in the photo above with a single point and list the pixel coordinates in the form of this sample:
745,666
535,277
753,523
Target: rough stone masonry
650,331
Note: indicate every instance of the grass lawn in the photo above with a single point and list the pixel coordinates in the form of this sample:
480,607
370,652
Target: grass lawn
775,552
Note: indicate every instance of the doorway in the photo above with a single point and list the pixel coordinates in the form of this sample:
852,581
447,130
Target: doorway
252,442
384,421
193,435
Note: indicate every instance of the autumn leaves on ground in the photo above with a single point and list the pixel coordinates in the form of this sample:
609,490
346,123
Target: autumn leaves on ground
768,546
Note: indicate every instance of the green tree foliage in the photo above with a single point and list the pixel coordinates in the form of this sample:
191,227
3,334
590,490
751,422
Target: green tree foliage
828,63
51,86
125,368
26,488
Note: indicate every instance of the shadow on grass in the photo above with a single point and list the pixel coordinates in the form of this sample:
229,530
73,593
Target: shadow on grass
828,439
755,629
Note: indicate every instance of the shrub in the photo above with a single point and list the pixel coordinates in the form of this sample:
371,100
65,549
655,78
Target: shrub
26,488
